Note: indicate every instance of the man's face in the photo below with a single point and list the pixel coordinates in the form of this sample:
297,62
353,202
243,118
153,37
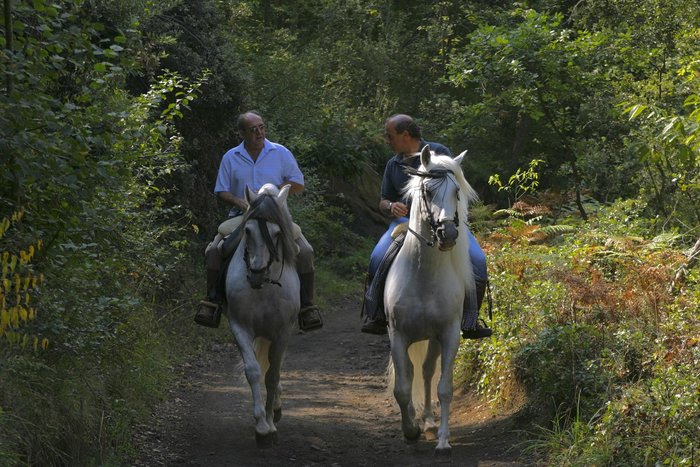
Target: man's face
253,132
395,140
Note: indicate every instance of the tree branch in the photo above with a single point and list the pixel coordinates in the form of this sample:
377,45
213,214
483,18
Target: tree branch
693,257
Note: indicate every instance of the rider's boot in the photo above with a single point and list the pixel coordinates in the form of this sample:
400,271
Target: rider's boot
209,311
378,324
309,315
479,330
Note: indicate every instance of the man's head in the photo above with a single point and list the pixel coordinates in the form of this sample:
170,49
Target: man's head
251,129
402,133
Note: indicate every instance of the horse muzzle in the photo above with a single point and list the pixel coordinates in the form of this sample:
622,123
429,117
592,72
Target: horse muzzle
257,279
447,234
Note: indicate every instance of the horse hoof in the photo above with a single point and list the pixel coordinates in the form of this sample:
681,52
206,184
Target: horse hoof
443,453
412,436
277,415
265,441
430,433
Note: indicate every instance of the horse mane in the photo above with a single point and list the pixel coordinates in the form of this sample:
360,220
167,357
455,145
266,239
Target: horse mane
266,207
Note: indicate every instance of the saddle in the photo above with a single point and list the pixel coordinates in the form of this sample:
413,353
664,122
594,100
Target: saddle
373,302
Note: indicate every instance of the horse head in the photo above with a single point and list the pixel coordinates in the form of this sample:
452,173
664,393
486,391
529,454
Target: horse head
440,184
268,233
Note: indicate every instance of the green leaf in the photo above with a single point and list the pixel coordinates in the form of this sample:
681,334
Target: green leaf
671,124
636,110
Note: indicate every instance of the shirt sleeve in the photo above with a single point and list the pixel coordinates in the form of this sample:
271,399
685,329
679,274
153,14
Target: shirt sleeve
223,178
388,190
292,172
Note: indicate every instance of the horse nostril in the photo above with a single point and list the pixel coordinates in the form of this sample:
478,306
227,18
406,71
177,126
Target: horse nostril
256,280
448,231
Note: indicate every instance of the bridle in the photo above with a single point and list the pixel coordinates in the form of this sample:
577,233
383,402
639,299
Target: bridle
437,227
274,256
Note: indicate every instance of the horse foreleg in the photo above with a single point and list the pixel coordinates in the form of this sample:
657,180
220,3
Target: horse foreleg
273,404
253,374
403,380
431,357
445,389
277,404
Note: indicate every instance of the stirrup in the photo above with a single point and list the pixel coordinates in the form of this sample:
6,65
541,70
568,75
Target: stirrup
310,318
208,314
375,326
479,331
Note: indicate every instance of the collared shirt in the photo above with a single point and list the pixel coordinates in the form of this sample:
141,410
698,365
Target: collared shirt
395,178
275,164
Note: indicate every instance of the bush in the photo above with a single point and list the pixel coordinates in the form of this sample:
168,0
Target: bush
589,328
561,369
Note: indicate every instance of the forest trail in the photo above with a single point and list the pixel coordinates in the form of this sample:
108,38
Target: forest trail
336,410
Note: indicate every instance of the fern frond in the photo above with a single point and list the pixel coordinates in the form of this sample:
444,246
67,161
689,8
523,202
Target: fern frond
503,213
664,240
554,230
531,210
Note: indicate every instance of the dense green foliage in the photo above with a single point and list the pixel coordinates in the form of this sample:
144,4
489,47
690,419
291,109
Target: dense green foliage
582,125
90,168
595,339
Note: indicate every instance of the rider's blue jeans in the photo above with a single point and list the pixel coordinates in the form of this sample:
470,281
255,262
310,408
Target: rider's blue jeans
476,254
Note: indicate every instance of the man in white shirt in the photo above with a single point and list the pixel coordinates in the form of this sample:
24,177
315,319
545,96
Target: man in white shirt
253,163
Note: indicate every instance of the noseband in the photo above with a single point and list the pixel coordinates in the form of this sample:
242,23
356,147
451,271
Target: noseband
274,256
437,227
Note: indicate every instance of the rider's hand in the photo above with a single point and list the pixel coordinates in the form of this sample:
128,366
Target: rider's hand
398,209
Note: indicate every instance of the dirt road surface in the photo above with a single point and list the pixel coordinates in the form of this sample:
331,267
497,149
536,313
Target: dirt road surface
336,410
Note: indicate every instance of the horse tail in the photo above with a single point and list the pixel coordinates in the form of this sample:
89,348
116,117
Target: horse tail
261,346
417,353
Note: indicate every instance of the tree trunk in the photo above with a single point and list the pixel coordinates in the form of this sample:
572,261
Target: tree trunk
8,41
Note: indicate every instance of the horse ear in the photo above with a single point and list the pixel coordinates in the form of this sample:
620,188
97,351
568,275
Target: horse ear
284,192
250,195
460,158
425,156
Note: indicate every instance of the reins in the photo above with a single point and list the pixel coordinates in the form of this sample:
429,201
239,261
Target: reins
434,226
272,247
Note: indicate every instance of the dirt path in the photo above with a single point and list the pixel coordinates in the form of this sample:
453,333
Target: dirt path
336,411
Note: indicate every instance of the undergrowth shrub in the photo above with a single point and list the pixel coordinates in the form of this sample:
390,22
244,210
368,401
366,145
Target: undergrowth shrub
562,367
587,325
108,260
524,300
653,422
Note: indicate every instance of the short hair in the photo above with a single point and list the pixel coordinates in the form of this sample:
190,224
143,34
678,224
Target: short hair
240,122
403,122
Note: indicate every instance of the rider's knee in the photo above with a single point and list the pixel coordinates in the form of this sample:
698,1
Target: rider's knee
305,259
213,253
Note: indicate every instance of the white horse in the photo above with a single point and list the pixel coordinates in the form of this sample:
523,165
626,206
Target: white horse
425,292
262,294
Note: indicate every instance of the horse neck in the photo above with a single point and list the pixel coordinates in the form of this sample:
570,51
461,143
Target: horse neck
416,245
416,221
